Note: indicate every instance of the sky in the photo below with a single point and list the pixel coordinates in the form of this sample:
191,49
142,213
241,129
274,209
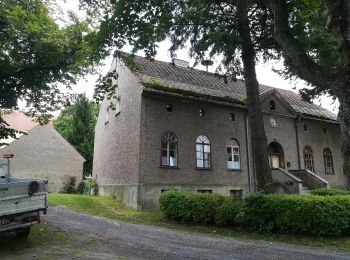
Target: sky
265,73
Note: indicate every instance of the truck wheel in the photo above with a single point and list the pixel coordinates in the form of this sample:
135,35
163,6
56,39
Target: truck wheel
22,232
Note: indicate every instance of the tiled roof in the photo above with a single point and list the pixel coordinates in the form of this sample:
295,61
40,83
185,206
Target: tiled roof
19,121
202,82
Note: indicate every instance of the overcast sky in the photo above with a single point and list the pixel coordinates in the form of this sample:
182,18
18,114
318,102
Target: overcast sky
264,71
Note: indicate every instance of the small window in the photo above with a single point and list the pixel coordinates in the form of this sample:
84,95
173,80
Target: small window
236,193
233,117
306,128
328,161
201,112
107,115
169,150
169,108
272,105
325,130
117,103
233,155
205,191
203,152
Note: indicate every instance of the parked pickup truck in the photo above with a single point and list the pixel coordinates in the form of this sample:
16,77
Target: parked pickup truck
21,200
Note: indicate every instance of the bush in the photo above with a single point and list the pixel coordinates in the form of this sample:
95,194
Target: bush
297,214
69,186
88,186
199,208
329,192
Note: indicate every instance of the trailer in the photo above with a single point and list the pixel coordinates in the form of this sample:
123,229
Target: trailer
21,201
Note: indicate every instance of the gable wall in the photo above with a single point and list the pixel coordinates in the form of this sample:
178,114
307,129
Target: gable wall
45,154
116,151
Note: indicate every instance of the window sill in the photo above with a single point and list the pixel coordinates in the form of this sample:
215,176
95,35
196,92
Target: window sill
234,170
169,167
204,169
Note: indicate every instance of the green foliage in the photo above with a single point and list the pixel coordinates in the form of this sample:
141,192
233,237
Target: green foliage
88,187
198,208
69,186
297,214
76,124
329,192
36,54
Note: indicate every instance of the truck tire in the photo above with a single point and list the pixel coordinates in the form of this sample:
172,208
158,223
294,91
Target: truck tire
22,233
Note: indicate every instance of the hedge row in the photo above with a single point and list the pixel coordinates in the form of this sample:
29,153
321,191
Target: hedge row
297,214
319,215
329,192
199,208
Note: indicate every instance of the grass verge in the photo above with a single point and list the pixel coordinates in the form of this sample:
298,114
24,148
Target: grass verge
105,207
114,209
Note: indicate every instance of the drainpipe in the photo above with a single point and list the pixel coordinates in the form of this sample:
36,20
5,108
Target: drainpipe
297,119
251,175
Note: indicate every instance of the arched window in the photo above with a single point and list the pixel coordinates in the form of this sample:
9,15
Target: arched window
169,150
233,154
308,159
272,105
328,161
203,152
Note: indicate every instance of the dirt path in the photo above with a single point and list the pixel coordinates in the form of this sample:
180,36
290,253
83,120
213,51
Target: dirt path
111,239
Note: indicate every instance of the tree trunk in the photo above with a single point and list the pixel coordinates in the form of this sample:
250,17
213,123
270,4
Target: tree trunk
256,122
344,121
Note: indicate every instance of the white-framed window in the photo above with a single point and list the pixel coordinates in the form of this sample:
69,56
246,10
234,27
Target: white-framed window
203,156
233,155
169,150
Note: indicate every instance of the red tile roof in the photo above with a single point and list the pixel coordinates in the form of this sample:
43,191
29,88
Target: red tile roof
19,121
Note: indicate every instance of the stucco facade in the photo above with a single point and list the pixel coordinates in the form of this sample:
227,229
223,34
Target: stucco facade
43,153
127,158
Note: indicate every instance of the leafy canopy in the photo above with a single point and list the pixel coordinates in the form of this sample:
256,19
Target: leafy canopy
36,54
76,124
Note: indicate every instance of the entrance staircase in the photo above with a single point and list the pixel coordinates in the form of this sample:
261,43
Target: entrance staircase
296,181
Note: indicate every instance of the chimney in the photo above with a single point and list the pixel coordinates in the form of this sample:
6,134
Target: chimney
181,63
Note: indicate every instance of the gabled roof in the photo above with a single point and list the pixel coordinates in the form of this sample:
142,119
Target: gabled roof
19,121
189,80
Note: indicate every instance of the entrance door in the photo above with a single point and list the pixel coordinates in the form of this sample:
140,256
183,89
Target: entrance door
276,155
275,161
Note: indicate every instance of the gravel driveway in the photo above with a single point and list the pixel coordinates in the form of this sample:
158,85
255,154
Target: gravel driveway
135,241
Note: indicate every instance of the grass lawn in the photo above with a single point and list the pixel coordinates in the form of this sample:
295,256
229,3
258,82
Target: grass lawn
114,209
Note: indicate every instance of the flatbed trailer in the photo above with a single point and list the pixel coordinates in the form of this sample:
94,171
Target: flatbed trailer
21,201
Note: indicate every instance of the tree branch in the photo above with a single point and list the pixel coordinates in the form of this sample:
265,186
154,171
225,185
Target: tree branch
306,68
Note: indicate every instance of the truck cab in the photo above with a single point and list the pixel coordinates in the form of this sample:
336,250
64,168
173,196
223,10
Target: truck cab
21,200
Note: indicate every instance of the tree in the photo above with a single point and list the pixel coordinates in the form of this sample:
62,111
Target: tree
314,37
36,54
76,124
236,30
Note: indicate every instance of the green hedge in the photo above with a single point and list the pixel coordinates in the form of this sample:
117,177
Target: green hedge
329,192
297,214
317,215
199,208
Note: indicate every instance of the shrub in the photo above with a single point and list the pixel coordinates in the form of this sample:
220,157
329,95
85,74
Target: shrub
88,186
296,213
69,186
198,208
329,192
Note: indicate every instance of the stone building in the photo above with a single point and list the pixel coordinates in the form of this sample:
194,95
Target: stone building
176,127
42,153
